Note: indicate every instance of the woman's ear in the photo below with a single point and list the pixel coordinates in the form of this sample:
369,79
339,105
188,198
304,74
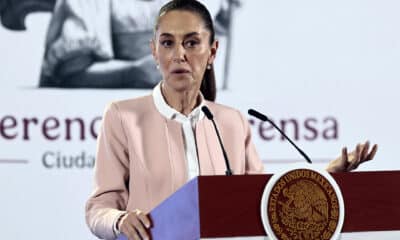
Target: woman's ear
214,49
153,50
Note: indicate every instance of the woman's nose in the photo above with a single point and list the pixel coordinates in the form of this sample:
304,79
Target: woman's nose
179,53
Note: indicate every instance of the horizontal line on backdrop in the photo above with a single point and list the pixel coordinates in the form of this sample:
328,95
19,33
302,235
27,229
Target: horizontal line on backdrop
13,161
275,160
291,160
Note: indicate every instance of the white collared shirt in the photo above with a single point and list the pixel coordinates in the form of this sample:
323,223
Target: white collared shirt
188,127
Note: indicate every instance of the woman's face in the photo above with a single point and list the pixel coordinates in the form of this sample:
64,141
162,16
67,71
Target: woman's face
181,47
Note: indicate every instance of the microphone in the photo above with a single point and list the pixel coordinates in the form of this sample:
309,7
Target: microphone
210,117
264,118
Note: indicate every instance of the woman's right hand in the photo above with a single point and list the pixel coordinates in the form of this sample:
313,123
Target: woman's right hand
135,225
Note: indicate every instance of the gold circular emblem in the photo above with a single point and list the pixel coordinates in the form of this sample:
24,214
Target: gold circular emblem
303,205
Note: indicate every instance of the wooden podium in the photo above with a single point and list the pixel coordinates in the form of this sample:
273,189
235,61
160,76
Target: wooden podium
229,206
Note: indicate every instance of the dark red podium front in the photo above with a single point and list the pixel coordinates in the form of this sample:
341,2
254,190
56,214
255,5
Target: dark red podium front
229,206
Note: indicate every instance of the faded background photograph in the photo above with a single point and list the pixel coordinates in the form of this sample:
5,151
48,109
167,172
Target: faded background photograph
103,43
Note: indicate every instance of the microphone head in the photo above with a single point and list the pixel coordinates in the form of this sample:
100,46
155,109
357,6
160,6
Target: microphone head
257,114
207,112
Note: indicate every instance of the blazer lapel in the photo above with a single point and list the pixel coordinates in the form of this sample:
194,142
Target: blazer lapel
210,154
177,153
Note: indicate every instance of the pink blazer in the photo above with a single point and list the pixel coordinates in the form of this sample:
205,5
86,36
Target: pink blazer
141,157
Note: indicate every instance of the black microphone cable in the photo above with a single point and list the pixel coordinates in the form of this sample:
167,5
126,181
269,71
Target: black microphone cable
210,116
264,118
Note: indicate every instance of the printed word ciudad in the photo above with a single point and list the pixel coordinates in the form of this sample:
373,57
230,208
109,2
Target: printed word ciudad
59,160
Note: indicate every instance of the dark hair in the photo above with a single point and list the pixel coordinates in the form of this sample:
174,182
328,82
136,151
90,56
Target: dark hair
208,85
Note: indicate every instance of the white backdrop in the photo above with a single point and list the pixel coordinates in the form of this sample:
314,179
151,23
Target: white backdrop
310,61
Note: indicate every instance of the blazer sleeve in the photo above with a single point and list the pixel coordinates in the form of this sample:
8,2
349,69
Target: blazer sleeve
254,164
110,195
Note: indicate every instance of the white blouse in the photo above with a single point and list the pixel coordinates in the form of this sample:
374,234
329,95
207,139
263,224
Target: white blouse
188,128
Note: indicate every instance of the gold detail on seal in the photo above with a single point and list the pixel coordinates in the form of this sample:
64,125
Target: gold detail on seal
303,205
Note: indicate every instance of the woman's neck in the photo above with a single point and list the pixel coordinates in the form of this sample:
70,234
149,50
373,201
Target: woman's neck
182,101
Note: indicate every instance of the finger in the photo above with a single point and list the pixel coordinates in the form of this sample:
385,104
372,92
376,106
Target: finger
345,159
128,227
139,224
141,230
371,155
356,160
364,151
132,234
144,219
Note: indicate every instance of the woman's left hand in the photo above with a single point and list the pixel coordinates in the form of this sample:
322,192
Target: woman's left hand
350,161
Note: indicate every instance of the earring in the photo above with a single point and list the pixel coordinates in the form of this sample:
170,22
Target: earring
158,66
209,66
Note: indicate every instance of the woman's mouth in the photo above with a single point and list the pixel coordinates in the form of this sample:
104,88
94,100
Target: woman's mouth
180,71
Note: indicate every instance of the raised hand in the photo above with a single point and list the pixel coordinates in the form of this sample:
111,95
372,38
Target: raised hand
350,161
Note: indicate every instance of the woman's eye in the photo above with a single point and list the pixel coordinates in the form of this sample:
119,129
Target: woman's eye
190,43
166,43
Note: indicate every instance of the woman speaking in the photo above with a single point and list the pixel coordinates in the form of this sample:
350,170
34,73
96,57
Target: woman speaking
150,146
